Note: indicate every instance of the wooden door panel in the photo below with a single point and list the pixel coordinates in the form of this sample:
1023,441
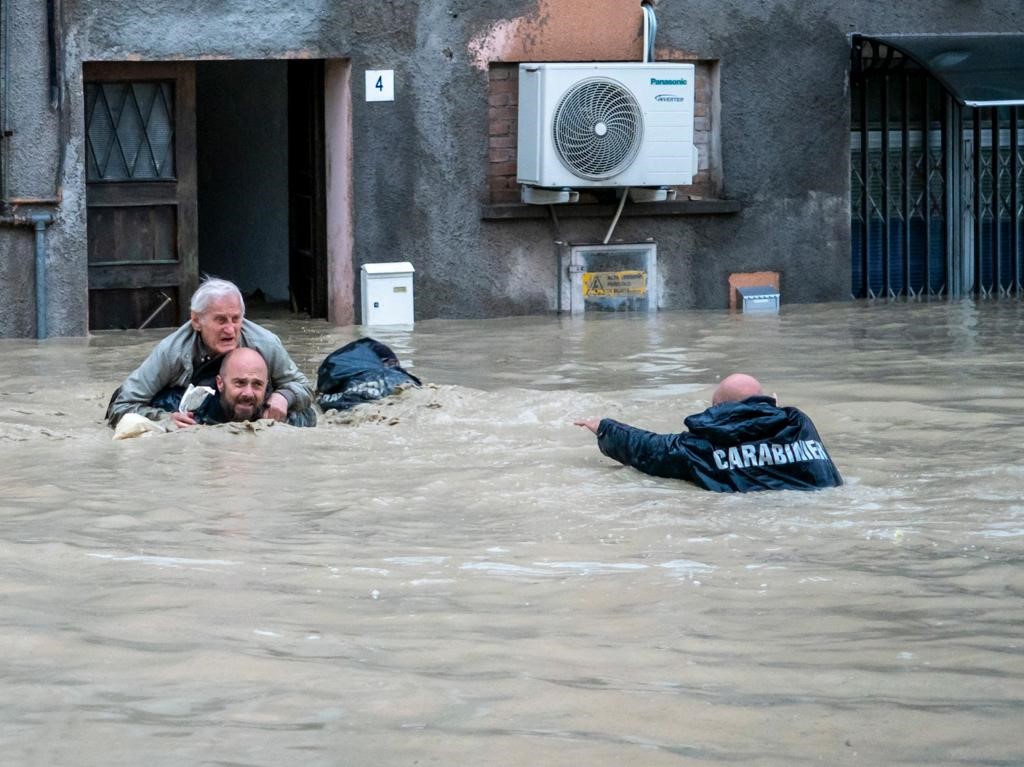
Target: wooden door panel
125,194
133,276
140,192
133,235
120,308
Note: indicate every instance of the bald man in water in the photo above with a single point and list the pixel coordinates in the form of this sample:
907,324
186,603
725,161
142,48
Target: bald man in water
241,391
743,442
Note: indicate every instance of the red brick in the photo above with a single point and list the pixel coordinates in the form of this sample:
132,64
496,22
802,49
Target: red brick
502,154
503,141
500,128
502,169
505,86
511,195
502,113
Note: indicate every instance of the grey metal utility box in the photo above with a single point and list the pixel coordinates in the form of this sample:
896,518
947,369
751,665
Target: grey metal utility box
759,298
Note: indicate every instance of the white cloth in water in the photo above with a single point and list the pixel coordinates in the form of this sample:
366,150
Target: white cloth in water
135,425
193,397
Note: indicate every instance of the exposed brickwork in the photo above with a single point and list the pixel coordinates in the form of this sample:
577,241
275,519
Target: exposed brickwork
749,280
503,105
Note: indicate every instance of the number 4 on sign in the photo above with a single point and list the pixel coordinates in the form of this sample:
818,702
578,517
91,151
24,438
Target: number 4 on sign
380,85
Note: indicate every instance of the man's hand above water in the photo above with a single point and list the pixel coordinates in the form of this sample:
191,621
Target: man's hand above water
182,420
276,407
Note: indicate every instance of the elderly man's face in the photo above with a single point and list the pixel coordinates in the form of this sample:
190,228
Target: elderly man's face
220,324
243,386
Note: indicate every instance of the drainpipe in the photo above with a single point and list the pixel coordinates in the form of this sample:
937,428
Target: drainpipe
39,222
9,213
650,28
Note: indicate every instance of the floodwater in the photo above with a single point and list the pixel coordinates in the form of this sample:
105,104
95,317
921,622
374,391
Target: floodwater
458,577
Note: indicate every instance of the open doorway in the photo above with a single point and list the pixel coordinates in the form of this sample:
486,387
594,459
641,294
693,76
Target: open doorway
260,187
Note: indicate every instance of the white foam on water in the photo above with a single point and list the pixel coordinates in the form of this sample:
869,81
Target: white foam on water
159,561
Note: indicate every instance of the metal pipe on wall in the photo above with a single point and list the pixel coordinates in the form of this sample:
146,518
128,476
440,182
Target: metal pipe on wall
5,73
39,222
9,216
650,29
52,41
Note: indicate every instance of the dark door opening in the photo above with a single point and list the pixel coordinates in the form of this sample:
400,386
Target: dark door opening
257,121
307,246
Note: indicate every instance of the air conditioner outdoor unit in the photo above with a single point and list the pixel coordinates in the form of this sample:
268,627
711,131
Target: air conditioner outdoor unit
585,125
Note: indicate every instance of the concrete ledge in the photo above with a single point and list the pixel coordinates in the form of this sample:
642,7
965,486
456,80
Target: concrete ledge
517,210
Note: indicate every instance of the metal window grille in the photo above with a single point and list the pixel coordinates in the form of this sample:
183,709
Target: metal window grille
936,189
992,201
129,131
898,171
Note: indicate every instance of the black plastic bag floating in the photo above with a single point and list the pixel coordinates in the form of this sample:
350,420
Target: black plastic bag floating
359,372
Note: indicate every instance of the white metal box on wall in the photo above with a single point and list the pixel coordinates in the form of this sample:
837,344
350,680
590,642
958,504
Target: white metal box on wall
606,125
387,293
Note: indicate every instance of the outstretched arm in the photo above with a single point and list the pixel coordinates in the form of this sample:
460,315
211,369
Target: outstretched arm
661,455
589,423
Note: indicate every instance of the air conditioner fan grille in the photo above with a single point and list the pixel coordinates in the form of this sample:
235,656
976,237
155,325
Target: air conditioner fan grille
598,128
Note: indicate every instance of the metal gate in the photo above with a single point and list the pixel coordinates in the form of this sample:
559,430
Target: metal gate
937,188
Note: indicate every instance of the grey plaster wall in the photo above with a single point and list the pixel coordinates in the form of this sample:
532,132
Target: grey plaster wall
420,162
36,155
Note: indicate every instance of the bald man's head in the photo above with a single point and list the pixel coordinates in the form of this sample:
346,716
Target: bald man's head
242,384
736,388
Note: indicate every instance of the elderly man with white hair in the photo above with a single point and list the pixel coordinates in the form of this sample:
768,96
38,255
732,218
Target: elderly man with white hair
192,355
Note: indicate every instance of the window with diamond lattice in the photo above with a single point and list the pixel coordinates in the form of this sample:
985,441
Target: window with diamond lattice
130,131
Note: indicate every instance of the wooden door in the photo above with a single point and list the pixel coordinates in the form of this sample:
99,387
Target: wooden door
140,192
307,228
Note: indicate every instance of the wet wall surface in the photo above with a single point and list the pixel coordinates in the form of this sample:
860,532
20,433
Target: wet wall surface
419,163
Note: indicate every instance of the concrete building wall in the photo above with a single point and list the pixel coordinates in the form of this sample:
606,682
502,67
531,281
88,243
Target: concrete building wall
420,163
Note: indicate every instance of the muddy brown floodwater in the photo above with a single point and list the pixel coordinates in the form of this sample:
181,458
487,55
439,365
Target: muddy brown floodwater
456,576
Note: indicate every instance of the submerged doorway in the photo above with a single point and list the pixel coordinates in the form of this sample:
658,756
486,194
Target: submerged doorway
239,169
261,181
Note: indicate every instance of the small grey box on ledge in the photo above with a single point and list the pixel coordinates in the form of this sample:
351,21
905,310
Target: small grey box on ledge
759,298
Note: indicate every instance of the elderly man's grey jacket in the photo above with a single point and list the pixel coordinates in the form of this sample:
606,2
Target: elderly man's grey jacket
171,364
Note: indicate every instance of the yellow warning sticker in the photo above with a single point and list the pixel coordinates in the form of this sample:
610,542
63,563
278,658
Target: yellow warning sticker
614,284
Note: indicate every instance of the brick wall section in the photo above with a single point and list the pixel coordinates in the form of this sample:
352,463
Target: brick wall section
502,108
702,127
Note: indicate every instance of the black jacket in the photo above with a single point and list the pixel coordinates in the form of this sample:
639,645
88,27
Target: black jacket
735,446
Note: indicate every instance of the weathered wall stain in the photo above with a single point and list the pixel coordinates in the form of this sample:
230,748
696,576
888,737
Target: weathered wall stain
564,30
